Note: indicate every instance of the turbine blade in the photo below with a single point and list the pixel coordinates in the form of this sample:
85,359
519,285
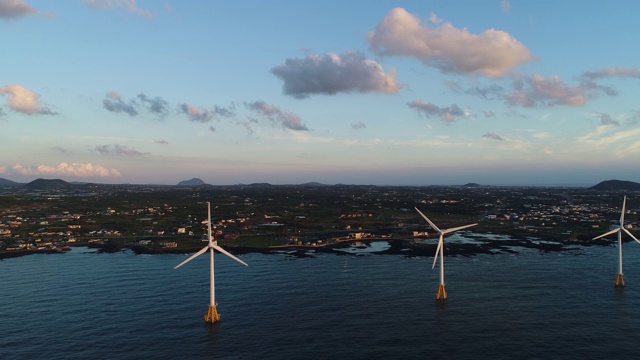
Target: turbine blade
446,231
624,203
630,234
193,256
229,255
606,234
435,258
433,226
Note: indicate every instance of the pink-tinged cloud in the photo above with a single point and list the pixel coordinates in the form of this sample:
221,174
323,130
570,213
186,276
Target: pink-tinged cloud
195,113
129,5
493,53
492,136
332,73
611,72
11,9
114,103
278,117
538,91
119,150
64,169
445,113
24,101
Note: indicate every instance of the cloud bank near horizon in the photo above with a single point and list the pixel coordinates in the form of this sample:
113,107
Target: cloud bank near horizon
83,170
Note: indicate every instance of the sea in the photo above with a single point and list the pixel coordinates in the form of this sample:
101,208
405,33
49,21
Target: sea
357,305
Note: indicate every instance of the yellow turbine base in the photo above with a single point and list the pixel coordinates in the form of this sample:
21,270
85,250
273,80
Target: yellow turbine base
212,316
442,294
619,281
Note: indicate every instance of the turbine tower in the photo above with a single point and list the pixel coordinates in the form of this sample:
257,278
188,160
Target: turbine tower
442,293
212,315
620,278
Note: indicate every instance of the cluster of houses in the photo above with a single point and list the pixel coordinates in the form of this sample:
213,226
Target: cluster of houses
21,230
539,217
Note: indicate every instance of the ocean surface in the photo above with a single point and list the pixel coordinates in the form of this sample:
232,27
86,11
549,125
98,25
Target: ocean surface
533,305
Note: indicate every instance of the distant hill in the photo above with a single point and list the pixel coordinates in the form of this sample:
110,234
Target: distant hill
259,185
617,185
192,182
47,184
5,182
472,185
313,183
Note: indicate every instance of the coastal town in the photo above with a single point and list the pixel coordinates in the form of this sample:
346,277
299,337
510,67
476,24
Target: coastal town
51,216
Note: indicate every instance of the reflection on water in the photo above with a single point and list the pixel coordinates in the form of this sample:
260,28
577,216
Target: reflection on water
366,247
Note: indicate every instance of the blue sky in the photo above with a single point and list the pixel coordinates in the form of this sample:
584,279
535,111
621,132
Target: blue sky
354,92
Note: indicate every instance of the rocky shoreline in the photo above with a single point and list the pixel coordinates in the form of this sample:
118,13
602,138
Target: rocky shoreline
404,247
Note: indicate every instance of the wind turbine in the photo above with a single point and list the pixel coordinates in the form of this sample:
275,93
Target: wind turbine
619,279
442,293
212,315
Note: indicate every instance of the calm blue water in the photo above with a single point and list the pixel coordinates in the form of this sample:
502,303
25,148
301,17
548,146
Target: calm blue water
82,305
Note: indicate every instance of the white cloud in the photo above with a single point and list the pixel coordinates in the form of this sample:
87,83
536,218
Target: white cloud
114,103
611,72
129,5
195,113
445,113
10,9
117,150
332,73
606,119
156,105
492,54
505,6
605,143
492,136
542,136
24,101
63,169
278,117
537,91
359,125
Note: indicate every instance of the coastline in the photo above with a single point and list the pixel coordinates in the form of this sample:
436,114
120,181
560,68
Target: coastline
480,243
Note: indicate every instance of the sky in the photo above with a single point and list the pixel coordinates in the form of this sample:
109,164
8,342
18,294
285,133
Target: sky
351,92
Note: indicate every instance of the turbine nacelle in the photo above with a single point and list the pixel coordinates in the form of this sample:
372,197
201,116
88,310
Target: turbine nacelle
441,234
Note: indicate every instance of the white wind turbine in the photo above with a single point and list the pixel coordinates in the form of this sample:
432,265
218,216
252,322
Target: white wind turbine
212,315
620,279
442,293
